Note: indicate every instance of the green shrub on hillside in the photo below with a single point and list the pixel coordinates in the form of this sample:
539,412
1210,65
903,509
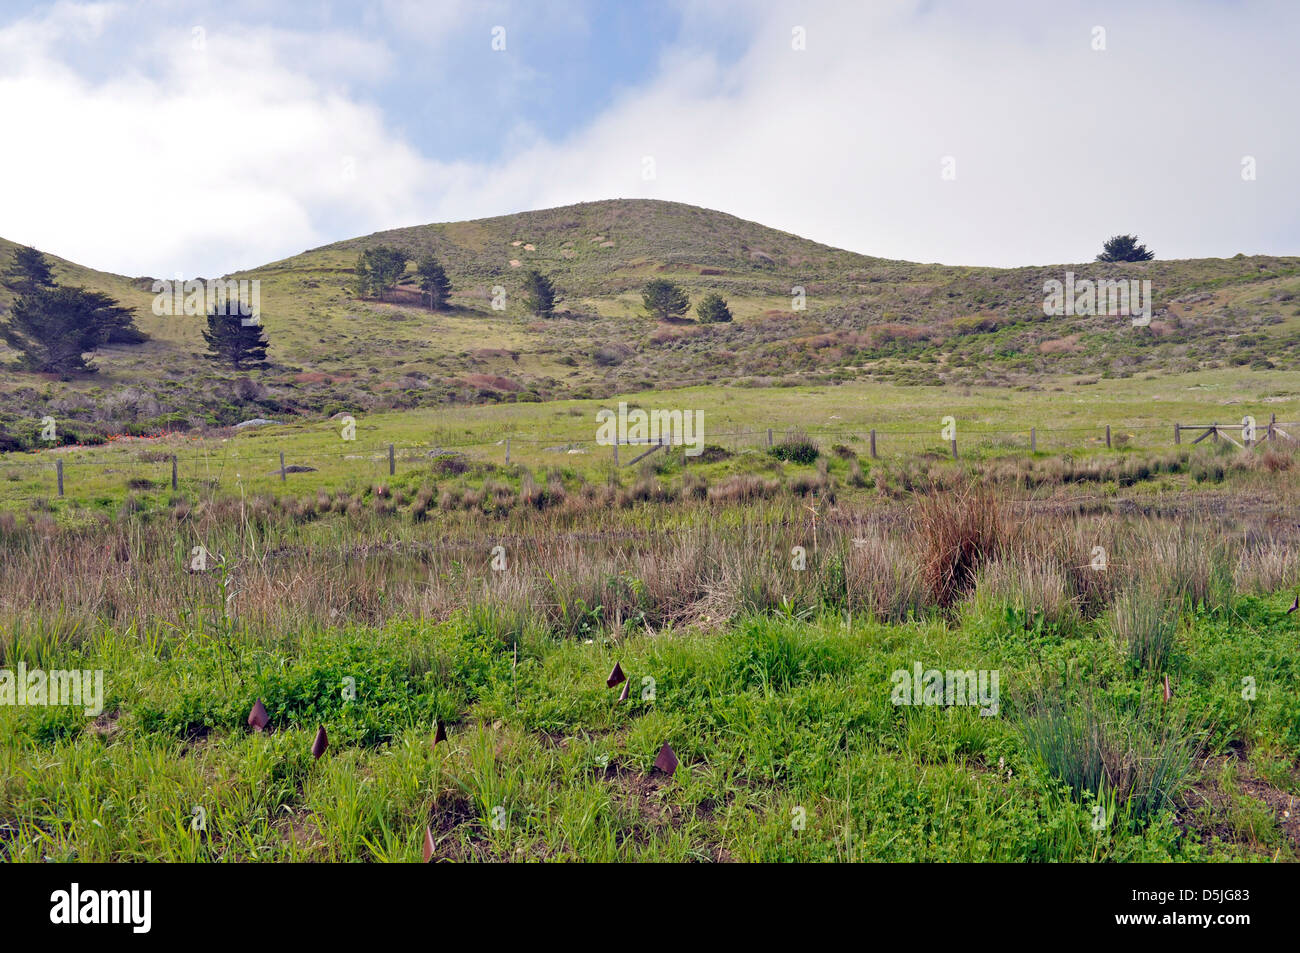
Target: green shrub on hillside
713,309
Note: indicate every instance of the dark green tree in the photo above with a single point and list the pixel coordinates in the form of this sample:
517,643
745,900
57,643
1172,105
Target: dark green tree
664,300
28,272
378,271
235,337
54,326
433,282
539,294
1124,248
713,309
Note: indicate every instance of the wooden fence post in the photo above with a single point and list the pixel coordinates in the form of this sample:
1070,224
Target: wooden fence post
392,461
283,476
769,436
507,449
1033,439
58,467
1178,433
873,446
616,453
954,448
1272,422
1108,436
173,472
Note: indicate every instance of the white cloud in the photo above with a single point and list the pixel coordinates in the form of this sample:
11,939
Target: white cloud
1056,145
222,150
236,156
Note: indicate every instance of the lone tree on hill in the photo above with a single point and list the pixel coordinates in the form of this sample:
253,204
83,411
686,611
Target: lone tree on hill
232,341
664,300
539,294
713,309
55,326
378,271
1124,248
433,282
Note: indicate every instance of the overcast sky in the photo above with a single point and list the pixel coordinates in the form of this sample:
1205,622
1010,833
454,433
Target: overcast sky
166,137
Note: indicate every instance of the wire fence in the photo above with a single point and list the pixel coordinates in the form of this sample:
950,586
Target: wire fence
212,463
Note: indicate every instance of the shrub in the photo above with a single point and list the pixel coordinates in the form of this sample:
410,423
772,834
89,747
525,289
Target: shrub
1096,749
712,309
797,447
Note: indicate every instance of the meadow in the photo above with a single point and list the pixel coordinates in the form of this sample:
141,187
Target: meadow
760,607
1070,416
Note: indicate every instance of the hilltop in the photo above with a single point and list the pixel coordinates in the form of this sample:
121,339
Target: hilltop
864,318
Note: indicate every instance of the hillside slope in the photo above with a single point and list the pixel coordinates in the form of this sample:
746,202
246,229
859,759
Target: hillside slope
862,317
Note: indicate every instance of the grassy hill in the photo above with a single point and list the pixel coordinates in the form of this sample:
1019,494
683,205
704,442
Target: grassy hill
865,318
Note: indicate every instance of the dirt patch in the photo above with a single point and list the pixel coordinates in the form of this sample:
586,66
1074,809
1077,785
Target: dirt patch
492,382
1066,345
644,799
490,353
106,725
1212,807
300,829
458,833
1285,807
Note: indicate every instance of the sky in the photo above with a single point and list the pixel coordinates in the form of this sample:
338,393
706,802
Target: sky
184,137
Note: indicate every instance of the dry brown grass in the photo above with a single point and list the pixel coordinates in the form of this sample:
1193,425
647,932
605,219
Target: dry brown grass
958,530
1030,581
613,556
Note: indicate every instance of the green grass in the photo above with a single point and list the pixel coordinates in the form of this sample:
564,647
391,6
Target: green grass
991,422
773,719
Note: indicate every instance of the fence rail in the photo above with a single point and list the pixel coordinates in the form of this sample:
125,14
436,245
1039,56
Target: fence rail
213,464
